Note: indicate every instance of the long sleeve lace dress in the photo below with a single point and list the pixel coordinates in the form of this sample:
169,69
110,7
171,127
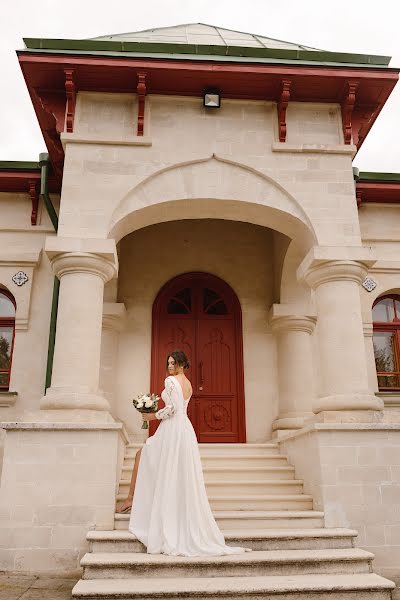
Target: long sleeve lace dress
170,512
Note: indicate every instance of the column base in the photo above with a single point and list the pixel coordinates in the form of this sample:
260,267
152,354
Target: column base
60,398
354,402
291,420
348,416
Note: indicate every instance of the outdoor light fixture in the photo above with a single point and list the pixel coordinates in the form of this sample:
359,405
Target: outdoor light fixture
212,98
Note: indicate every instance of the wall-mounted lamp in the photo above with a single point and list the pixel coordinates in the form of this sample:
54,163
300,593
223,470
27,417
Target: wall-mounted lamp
212,98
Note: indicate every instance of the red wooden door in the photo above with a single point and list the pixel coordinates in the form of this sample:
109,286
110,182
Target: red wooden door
200,314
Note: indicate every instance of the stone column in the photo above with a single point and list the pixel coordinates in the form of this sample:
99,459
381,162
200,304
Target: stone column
114,315
295,368
343,365
83,267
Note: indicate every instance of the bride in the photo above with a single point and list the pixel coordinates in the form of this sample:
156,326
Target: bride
170,509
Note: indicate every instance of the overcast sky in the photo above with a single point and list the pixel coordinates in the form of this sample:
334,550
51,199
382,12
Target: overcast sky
345,25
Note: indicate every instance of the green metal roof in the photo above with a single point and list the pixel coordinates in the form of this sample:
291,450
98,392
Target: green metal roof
19,165
203,35
198,41
383,177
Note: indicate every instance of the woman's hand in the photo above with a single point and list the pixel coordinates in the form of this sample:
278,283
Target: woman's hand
149,417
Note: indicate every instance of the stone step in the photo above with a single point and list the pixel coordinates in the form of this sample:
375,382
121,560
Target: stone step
224,449
233,487
239,474
273,539
271,502
120,565
365,586
252,519
248,473
239,461
249,502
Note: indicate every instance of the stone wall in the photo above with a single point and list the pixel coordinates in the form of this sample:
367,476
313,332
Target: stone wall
353,472
58,481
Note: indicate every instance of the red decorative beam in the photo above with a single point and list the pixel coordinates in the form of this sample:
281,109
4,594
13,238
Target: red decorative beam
34,194
347,109
141,92
282,106
70,89
378,192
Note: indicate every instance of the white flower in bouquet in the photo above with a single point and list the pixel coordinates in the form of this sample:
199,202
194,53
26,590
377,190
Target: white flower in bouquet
146,403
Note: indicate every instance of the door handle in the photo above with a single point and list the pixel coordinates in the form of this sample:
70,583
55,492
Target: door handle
201,375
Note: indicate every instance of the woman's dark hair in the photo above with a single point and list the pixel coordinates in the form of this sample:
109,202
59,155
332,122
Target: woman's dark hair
180,359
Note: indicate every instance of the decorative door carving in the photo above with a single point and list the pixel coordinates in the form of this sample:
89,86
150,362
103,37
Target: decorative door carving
200,314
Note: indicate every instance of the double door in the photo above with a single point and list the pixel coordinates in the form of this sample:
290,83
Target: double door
200,314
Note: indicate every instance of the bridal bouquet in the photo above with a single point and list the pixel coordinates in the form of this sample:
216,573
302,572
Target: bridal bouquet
146,403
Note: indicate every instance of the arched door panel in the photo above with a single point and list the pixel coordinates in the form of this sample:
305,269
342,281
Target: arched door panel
200,314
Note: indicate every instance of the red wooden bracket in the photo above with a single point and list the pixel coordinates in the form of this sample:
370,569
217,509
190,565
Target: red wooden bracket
70,88
282,106
141,92
34,194
358,198
347,109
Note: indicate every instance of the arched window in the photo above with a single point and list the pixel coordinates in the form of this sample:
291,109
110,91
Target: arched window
7,331
386,316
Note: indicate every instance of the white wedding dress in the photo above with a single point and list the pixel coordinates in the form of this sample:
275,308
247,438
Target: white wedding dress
170,511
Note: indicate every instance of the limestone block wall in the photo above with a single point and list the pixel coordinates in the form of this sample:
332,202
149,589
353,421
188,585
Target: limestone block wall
239,253
58,481
353,472
100,170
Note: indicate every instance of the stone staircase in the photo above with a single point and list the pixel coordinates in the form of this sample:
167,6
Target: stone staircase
257,503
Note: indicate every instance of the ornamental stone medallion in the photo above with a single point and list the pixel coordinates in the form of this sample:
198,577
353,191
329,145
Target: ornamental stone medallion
369,284
20,278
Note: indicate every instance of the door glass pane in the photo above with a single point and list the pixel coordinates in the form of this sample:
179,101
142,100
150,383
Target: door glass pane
397,303
383,312
386,358
181,303
213,303
7,308
6,335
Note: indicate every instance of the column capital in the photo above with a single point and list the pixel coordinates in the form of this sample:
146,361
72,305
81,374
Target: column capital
324,264
114,315
285,317
68,263
76,255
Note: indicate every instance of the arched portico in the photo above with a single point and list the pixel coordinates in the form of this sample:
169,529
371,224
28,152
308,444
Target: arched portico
212,188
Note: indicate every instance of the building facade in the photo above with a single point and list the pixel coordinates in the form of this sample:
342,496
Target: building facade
239,233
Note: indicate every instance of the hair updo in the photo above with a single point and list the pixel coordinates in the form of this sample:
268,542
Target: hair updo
180,359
